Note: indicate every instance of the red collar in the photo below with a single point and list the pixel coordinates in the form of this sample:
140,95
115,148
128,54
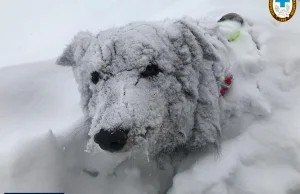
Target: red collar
225,84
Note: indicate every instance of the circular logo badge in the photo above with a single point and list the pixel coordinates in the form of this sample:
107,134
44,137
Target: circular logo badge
282,10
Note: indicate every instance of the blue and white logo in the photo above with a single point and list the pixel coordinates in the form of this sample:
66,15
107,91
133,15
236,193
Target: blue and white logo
282,10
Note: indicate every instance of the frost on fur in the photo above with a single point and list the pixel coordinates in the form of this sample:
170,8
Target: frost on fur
149,85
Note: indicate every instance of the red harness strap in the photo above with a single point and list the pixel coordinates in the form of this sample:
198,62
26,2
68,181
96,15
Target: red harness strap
225,85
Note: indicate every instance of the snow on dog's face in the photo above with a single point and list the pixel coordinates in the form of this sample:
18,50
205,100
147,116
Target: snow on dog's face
147,86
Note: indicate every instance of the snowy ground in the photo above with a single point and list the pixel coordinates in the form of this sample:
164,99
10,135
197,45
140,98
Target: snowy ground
40,96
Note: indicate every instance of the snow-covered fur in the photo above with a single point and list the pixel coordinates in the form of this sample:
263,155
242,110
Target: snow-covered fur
155,86
156,80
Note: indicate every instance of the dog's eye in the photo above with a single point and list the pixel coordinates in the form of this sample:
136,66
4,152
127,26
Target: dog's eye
95,77
151,70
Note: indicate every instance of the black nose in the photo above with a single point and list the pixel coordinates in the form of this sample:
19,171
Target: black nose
111,140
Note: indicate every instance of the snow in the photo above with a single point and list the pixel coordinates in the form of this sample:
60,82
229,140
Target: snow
260,154
37,30
257,160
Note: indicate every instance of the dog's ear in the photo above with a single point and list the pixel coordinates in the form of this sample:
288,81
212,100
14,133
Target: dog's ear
205,60
75,50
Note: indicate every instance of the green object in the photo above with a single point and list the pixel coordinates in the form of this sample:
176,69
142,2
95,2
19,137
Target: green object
234,37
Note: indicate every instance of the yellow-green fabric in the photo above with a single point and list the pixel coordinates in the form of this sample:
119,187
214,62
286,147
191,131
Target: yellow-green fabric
234,37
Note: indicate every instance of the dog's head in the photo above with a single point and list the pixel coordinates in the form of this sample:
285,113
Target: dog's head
148,86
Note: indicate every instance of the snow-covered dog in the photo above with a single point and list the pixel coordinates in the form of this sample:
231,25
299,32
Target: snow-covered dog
151,87
150,91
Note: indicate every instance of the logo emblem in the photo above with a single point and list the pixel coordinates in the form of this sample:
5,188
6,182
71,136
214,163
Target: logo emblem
282,10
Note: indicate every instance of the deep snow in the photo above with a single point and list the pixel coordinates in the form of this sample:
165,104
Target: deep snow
41,96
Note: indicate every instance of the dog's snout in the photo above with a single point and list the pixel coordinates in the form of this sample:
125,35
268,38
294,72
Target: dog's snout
111,140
